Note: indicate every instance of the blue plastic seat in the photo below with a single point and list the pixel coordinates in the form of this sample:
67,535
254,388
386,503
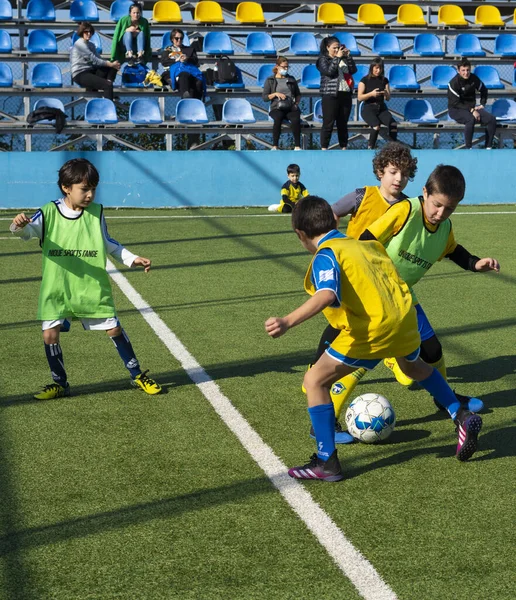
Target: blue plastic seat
6,10
218,42
47,75
100,111
238,110
239,83
145,111
84,10
489,77
318,111
40,10
6,75
260,43
42,41
428,44
304,44
6,45
504,109
166,41
419,111
119,9
311,78
94,39
263,72
386,44
348,39
441,76
359,112
505,44
52,103
191,110
403,77
362,71
468,44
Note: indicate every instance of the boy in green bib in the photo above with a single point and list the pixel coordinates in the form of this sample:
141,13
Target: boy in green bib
75,243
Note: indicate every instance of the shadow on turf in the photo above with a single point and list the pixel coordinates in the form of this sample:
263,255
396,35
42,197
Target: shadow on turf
502,442
490,369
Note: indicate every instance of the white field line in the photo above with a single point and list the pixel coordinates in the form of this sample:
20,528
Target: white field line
356,567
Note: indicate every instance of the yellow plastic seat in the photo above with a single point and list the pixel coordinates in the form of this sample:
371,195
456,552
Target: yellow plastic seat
371,14
208,11
166,11
411,14
250,12
330,13
488,16
452,15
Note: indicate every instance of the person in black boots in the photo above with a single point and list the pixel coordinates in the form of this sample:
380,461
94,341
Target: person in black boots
189,80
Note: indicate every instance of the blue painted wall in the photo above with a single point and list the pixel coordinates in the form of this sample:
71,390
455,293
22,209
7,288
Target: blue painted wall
225,178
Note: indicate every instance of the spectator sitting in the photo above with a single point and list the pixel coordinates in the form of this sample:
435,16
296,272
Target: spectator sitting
87,68
181,65
131,40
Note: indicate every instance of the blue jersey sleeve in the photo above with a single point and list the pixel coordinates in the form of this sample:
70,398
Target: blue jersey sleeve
326,273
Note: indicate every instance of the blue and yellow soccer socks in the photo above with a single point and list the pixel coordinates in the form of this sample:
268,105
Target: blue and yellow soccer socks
438,387
323,422
56,363
341,390
440,365
125,349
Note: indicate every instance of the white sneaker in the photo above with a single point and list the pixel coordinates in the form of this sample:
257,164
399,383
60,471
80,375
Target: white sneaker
273,208
297,148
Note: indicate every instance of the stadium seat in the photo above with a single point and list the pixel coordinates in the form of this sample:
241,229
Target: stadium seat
260,43
403,77
6,45
84,10
263,72
6,10
411,14
488,16
119,9
191,110
40,10
371,14
166,41
249,12
362,71
145,111
238,110
359,112
42,41
505,44
468,44
166,11
504,109
419,111
304,44
441,76
427,44
208,11
239,84
489,77
311,78
318,111
451,15
47,75
6,75
386,44
218,42
52,103
348,39
330,13
100,111
94,39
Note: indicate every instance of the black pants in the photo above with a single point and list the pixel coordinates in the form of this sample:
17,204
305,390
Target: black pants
98,79
278,116
464,117
375,115
335,108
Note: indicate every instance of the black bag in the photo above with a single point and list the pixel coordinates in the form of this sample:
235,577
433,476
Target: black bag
209,75
47,113
287,104
225,70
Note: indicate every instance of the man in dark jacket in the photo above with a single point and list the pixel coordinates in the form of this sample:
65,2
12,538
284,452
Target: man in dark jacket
461,104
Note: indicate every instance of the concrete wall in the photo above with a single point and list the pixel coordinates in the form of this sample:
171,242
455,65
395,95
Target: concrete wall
226,178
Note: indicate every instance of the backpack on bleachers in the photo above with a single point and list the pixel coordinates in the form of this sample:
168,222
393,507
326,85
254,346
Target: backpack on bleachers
225,70
134,74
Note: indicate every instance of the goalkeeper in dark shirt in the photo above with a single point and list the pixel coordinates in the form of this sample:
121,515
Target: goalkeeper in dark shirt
291,191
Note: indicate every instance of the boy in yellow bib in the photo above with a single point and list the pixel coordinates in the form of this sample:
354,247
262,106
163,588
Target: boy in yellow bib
75,242
359,291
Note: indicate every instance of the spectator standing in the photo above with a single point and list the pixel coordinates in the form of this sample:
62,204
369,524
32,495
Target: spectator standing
131,40
182,67
461,104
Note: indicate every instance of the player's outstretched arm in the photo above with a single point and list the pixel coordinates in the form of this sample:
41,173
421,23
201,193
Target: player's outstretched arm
140,261
487,264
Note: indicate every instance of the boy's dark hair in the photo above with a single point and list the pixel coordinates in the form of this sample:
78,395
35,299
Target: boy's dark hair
293,168
85,26
446,180
376,62
78,170
397,154
463,62
313,215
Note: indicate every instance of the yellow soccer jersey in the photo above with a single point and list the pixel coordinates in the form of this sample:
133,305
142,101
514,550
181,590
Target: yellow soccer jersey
372,206
291,193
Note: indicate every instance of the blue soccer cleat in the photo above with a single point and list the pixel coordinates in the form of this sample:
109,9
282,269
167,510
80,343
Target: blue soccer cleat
341,437
474,405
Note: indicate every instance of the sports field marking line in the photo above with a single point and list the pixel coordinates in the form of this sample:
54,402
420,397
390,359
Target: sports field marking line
352,563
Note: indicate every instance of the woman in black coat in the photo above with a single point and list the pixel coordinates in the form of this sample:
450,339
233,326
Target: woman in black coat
336,66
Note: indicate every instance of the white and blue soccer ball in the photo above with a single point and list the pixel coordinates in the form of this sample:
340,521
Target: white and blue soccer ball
370,418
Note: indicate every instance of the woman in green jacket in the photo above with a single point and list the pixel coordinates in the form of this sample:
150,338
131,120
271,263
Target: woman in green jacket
131,40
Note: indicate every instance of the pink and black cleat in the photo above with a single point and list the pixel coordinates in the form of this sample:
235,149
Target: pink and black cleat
319,469
468,427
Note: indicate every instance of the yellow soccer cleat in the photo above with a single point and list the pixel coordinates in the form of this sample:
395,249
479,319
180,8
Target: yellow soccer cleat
54,390
148,385
391,364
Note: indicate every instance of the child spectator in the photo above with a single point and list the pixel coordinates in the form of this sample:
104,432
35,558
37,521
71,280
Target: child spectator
359,291
291,191
74,241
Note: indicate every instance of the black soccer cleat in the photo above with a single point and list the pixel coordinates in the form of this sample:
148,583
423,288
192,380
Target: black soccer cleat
329,470
468,425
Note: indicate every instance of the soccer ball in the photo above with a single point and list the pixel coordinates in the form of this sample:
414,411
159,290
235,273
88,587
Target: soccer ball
370,418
